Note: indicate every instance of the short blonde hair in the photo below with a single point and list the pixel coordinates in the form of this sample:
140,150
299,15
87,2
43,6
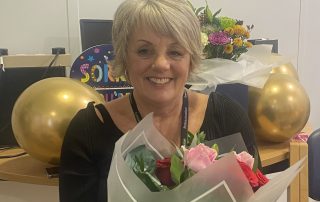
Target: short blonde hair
174,18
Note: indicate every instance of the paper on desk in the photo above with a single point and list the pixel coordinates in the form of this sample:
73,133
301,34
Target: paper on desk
275,187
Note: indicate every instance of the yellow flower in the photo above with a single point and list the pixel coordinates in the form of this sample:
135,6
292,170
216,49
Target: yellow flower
237,42
239,30
248,44
204,39
228,48
229,31
247,34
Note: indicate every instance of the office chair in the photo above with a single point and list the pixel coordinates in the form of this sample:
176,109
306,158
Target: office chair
314,164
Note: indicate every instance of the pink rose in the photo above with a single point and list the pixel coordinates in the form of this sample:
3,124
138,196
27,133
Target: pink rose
199,157
246,158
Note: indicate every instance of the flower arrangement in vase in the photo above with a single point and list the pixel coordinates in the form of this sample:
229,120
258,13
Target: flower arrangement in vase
222,37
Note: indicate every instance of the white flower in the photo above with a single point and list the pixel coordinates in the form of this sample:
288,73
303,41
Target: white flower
204,39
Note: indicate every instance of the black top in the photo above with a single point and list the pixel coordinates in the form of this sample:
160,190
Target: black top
88,146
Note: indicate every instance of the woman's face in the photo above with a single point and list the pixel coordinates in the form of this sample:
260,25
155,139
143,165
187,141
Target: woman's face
157,66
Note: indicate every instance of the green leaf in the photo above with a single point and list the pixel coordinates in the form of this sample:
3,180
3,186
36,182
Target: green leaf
152,183
216,147
176,169
201,136
198,10
208,13
216,24
141,159
143,164
187,173
194,140
139,163
189,139
190,4
216,13
179,152
256,160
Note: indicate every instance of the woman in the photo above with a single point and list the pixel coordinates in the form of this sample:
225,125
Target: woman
157,44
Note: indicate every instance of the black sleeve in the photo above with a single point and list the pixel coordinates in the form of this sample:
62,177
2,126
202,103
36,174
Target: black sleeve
81,176
226,117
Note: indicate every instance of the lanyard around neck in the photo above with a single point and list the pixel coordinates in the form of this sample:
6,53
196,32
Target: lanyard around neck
184,114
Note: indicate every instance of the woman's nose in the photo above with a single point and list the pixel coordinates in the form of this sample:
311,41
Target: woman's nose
161,62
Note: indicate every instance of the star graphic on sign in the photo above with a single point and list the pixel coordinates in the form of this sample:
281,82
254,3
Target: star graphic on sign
90,58
96,50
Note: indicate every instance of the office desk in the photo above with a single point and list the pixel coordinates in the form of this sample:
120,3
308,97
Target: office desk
24,169
271,153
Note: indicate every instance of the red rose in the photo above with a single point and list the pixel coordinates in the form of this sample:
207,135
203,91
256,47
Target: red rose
257,179
163,172
261,178
251,176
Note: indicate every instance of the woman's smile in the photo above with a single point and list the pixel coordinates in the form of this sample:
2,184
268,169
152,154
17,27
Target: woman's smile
159,80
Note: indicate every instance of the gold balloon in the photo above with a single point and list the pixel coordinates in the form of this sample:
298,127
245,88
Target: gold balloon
42,113
280,109
287,69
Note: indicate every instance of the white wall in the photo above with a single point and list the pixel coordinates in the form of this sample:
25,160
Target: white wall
35,26
309,63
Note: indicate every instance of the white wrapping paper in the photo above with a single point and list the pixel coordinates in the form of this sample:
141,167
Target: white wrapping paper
222,181
253,69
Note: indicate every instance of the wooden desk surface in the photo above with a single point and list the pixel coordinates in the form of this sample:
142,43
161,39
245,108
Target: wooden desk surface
271,153
24,169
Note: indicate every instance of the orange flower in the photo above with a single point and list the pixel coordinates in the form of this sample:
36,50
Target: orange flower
237,42
239,30
228,48
247,34
229,31
248,44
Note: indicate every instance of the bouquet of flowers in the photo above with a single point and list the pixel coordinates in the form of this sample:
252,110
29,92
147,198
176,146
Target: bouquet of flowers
222,37
139,170
192,157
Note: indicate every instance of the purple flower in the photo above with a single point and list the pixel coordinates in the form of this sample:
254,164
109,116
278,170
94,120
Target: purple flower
219,38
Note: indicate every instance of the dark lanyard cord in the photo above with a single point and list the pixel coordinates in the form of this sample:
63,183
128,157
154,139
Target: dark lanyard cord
184,115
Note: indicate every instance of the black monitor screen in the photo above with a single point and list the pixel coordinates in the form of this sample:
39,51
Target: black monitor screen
13,81
95,32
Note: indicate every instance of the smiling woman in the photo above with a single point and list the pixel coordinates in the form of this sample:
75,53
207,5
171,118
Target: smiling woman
157,65
157,43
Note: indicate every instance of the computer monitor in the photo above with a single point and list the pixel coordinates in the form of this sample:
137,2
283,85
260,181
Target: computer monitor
95,32
13,81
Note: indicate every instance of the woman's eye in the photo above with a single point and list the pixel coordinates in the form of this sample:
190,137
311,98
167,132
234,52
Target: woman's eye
175,53
144,52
